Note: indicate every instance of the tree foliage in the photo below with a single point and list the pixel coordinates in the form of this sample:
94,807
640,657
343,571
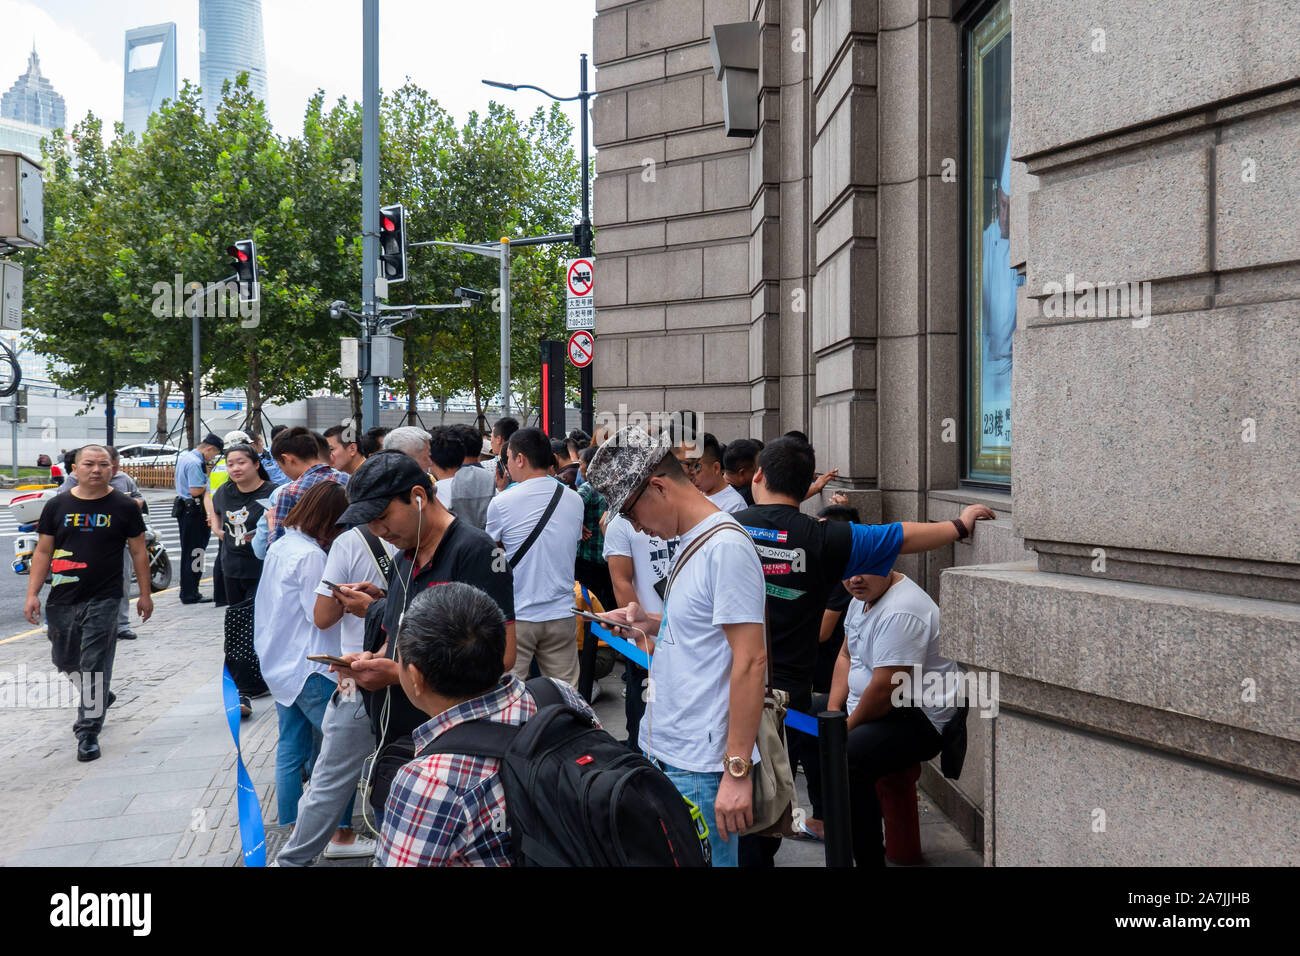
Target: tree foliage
131,223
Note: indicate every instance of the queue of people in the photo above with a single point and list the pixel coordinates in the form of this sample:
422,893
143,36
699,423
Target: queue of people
698,552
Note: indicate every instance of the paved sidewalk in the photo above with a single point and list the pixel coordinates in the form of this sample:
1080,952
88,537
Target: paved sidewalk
163,793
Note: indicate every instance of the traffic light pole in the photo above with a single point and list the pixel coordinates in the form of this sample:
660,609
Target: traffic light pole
505,326
585,377
369,205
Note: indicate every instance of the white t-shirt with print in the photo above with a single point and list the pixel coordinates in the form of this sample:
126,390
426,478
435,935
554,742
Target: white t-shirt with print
900,630
688,702
728,500
650,556
349,562
544,578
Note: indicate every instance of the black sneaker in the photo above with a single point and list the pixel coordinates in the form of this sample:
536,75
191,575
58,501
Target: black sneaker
245,707
88,747
110,700
127,635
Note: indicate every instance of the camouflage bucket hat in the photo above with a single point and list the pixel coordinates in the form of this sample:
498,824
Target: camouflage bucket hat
625,462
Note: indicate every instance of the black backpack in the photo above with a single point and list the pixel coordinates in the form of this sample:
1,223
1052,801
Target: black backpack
575,796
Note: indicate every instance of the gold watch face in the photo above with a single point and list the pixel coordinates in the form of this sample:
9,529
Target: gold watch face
736,766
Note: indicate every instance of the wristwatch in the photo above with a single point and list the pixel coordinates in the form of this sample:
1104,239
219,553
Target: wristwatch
738,767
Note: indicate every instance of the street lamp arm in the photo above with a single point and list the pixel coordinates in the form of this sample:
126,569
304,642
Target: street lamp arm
529,86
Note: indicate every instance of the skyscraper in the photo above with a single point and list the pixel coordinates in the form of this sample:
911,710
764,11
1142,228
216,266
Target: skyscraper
149,73
230,43
32,98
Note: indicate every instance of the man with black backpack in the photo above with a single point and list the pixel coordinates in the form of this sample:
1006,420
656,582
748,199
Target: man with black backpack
509,773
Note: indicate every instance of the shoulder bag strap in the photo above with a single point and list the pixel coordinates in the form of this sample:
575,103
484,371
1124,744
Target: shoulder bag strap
482,738
537,530
383,563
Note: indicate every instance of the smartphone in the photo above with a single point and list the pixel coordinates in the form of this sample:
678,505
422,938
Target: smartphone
329,659
588,616
330,584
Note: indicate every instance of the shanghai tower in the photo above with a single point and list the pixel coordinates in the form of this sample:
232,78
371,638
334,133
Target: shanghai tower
230,43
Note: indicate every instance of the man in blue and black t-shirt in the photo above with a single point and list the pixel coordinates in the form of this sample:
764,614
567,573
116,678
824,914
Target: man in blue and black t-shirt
803,560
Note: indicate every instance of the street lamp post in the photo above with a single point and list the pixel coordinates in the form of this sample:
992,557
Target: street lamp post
582,234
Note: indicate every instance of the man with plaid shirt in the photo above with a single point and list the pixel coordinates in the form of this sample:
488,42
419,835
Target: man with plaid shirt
449,809
303,454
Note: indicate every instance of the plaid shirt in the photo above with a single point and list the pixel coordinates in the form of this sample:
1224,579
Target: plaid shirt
450,809
593,506
293,491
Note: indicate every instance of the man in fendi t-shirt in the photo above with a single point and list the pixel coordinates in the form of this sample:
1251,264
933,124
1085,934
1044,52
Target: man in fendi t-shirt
82,533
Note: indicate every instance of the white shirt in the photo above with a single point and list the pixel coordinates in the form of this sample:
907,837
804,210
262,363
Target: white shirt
349,561
901,630
688,701
650,556
284,629
544,578
442,491
728,500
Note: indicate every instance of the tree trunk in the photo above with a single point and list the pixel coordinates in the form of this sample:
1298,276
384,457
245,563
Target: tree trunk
253,414
412,414
355,391
160,430
187,384
478,385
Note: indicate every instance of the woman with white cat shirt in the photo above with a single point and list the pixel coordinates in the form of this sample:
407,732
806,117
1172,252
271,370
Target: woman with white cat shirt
238,507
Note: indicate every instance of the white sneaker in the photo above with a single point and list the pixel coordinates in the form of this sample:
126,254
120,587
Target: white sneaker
361,846
595,691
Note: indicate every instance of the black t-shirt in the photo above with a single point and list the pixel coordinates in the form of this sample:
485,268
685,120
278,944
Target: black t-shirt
465,554
239,513
803,559
89,536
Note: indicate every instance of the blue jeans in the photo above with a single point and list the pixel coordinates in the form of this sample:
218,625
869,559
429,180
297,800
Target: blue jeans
300,730
702,790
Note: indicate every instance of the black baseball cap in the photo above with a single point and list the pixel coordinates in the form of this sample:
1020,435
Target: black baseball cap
382,477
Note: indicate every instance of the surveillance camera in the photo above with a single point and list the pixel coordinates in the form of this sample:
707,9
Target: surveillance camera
337,308
468,295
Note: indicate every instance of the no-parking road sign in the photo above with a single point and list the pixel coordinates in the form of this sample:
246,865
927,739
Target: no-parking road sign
582,348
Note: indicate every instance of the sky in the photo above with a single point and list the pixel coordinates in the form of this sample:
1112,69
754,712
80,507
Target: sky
444,46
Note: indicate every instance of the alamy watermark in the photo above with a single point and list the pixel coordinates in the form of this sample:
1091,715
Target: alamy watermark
51,690
1100,300
977,689
214,300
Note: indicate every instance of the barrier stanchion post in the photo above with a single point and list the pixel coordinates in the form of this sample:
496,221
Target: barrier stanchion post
832,744
587,662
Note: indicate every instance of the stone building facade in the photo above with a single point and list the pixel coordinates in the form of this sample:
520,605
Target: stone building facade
1139,594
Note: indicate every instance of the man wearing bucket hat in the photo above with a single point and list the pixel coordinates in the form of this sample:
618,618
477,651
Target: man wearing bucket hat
705,692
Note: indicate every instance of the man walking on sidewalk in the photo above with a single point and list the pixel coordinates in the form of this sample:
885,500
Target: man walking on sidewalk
82,534
191,516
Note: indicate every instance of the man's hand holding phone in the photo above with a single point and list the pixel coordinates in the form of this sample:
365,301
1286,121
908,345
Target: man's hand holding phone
355,598
370,671
633,624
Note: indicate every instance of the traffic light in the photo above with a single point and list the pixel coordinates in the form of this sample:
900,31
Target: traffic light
392,243
582,238
243,259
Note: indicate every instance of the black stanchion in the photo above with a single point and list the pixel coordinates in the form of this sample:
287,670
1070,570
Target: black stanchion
587,663
832,743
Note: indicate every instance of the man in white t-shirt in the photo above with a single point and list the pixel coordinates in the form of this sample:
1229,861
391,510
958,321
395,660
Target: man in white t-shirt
543,573
355,556
707,668
891,635
709,479
638,567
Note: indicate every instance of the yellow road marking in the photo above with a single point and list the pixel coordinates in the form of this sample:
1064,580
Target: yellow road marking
38,630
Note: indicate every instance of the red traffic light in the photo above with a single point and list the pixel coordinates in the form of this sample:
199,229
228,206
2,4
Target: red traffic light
238,253
388,225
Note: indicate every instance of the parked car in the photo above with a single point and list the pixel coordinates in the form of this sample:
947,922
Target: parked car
148,454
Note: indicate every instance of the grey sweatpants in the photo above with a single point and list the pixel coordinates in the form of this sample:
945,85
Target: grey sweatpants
348,741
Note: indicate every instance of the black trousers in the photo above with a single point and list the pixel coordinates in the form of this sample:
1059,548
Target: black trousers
218,582
83,643
594,576
759,851
877,748
194,534
634,706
